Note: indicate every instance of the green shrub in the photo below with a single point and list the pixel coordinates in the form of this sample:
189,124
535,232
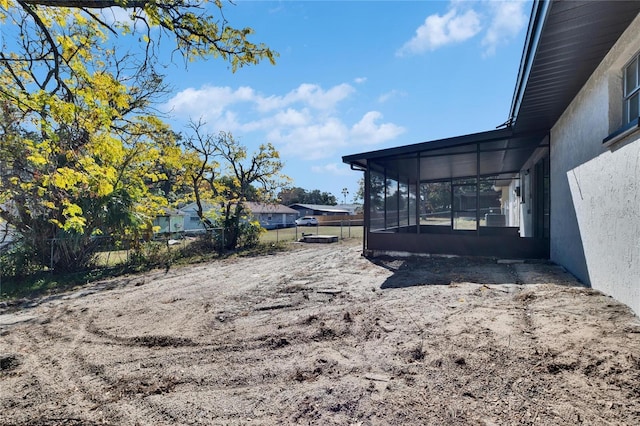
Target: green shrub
18,261
250,234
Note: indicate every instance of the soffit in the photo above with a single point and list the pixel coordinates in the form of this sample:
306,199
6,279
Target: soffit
575,37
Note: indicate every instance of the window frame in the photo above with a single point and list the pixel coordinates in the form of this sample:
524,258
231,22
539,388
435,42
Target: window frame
629,93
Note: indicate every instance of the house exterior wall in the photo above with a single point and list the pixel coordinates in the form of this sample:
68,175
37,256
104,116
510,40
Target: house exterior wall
595,192
275,220
268,220
5,234
169,224
510,204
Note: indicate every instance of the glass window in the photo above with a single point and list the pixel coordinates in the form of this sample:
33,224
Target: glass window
633,107
631,77
631,91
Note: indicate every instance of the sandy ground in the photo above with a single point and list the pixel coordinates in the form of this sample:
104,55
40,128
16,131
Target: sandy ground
320,335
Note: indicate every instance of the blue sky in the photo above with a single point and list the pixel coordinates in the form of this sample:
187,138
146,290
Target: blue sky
356,76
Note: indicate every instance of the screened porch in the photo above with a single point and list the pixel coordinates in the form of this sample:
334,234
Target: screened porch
482,194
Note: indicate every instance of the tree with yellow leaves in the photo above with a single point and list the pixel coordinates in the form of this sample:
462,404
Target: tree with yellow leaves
224,175
79,142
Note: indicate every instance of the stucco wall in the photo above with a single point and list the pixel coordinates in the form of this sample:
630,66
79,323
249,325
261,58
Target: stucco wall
595,191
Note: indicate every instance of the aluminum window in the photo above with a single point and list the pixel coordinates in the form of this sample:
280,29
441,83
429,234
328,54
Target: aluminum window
632,91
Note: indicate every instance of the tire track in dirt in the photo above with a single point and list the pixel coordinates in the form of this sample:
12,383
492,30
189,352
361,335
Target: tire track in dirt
320,335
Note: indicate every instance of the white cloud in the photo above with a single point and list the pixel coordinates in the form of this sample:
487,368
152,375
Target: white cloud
113,15
501,21
360,80
368,132
209,102
293,118
508,18
335,169
438,31
118,15
390,95
308,94
306,122
312,142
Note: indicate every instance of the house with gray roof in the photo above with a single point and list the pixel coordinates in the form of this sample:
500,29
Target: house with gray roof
565,165
321,210
269,215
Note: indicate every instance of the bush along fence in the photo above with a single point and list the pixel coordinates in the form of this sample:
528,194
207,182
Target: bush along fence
99,253
75,255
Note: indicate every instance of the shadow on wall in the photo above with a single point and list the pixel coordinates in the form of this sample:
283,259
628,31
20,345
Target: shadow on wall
572,255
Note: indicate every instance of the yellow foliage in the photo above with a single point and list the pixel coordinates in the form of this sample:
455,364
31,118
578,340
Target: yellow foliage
67,178
86,104
37,159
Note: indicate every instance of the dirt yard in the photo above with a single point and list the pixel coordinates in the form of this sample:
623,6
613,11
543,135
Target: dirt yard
321,335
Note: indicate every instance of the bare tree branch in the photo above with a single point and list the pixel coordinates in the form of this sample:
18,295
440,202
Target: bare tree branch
92,4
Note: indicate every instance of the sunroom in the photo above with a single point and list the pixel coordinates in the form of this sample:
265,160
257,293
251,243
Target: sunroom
484,194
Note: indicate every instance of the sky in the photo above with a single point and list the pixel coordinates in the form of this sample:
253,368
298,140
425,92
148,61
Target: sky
356,76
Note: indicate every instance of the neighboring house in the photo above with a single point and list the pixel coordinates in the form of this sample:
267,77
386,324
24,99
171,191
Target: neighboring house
353,209
5,234
566,166
192,222
270,216
172,220
321,210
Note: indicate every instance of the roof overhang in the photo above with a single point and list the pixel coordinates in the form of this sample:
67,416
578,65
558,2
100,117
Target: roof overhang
566,41
492,153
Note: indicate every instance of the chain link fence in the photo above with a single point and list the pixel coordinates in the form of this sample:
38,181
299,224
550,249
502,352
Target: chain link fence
343,228
112,251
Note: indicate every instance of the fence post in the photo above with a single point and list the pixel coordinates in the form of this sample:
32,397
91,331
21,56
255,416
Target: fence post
51,255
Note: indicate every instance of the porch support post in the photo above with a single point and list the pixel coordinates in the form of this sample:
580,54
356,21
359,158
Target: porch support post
398,202
385,197
366,224
452,201
478,189
418,201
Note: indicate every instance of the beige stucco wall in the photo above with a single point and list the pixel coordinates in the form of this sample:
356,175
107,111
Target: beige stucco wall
595,192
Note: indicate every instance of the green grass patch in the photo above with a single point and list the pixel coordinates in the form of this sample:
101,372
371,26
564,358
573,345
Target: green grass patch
293,234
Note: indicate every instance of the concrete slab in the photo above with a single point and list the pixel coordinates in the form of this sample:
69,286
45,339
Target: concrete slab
320,239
